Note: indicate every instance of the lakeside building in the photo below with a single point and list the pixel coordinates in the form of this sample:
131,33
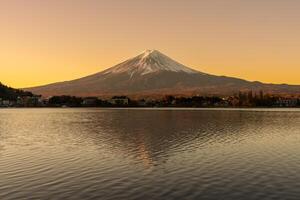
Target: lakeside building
286,102
5,103
27,101
24,101
119,100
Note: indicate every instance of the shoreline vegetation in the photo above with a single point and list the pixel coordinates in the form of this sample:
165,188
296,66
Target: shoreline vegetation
242,100
10,97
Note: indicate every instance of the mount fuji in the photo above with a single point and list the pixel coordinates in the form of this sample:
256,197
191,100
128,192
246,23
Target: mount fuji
153,73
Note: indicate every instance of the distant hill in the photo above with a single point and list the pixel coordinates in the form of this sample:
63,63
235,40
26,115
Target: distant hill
153,73
9,93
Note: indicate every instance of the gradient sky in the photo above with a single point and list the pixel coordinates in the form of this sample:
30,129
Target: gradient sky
44,41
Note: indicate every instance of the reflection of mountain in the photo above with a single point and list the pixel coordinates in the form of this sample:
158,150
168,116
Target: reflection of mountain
153,136
153,73
142,136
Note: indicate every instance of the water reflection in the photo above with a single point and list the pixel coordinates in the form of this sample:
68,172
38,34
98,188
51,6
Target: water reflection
147,135
149,154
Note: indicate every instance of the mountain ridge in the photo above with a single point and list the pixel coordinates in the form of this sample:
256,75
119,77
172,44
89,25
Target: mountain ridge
152,72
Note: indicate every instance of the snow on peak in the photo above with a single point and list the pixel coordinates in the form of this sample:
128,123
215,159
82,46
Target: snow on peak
149,61
148,52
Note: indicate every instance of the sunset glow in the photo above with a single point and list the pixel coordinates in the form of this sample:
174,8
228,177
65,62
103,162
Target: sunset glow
53,40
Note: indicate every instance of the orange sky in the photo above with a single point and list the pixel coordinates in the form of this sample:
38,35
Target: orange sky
55,40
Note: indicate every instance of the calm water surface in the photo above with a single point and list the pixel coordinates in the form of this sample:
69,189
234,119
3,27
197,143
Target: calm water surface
149,154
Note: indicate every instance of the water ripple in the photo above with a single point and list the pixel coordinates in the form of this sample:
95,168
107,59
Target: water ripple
149,154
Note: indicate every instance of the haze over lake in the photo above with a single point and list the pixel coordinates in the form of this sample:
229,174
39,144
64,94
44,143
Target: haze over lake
149,154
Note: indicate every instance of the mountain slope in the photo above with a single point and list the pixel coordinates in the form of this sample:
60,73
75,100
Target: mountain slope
155,73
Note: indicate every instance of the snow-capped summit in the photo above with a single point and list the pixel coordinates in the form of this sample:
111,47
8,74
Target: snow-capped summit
147,52
149,61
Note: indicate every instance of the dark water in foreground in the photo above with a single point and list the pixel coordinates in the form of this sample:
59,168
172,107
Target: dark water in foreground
149,154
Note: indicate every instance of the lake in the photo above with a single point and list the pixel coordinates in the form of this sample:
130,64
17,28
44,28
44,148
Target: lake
149,154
